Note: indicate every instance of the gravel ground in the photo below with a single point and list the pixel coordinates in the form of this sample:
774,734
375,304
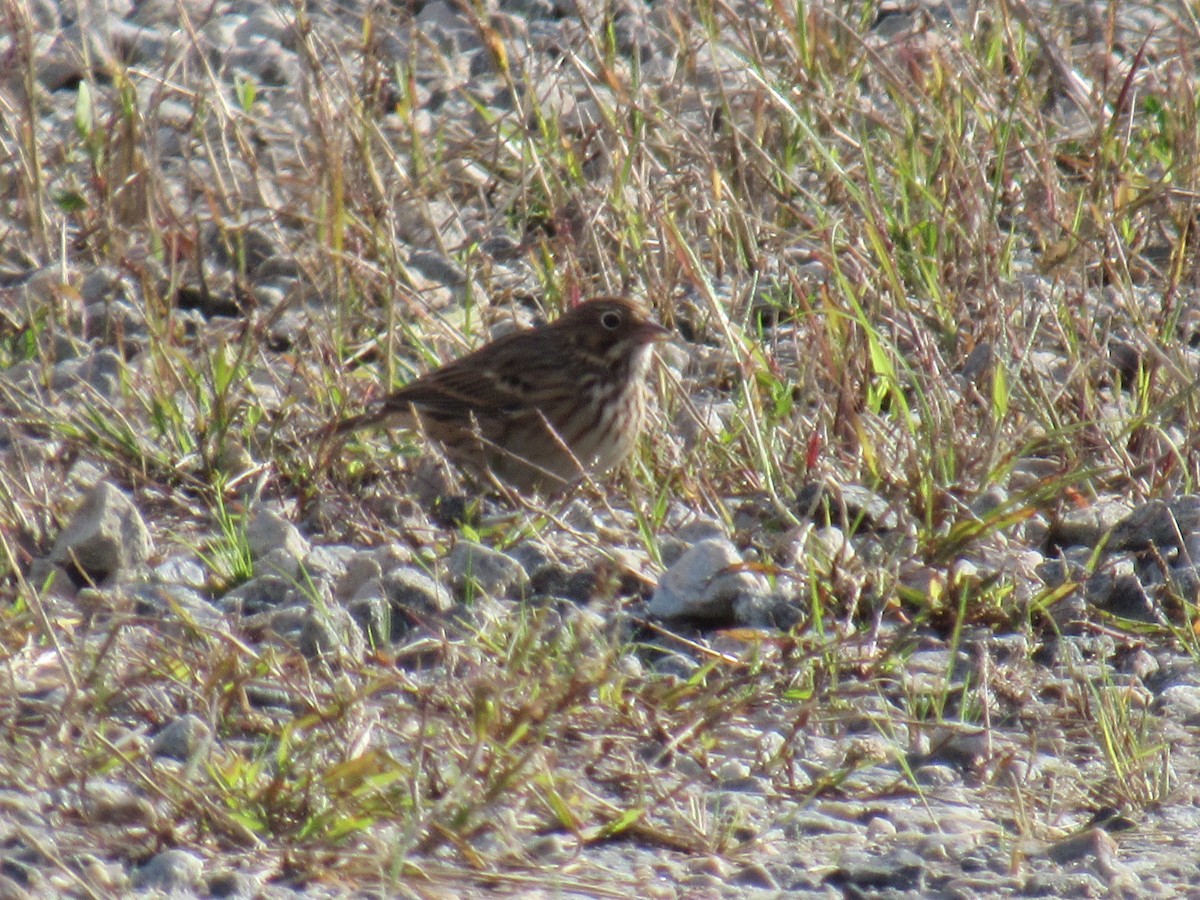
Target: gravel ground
1054,759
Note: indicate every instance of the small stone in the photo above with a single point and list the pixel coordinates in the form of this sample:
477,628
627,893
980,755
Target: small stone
260,594
901,870
361,569
437,268
106,535
704,584
556,580
756,876
774,612
829,546
674,665
849,507
174,602
1085,526
1139,663
373,615
114,323
172,871
411,590
1157,523
733,770
474,567
965,750
936,776
331,635
879,828
701,528
1180,703
184,570
113,803
281,562
100,370
268,531
11,890
1092,842
182,738
235,885
1122,595
329,561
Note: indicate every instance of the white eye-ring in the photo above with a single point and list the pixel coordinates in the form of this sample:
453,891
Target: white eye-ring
610,320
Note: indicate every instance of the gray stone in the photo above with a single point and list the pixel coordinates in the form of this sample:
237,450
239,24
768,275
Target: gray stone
114,323
477,568
1085,526
183,570
411,590
775,611
182,738
329,561
936,776
268,531
1180,702
260,594
702,528
117,803
235,886
437,268
1094,842
900,870
269,64
281,562
10,889
331,635
104,284
174,602
442,23
849,507
530,9
361,569
105,536
100,370
1157,523
1121,595
828,546
675,665
755,876
374,618
704,584
172,871
964,750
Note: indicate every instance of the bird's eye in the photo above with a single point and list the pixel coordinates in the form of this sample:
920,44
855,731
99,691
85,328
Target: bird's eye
610,320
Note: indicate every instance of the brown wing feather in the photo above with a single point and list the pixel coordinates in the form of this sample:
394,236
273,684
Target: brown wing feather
484,383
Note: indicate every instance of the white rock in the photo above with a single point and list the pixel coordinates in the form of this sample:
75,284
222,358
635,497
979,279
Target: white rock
106,534
704,584
269,531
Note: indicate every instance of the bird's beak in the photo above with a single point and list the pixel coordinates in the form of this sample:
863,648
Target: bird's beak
653,333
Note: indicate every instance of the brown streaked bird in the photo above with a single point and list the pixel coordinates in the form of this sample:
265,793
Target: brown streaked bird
539,408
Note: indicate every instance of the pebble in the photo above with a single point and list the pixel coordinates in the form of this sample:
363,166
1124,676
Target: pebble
171,871
260,594
413,593
105,536
475,568
100,370
268,531
331,634
823,801
896,871
182,738
705,583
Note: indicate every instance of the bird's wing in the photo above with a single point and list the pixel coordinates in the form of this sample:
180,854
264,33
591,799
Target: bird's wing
480,384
